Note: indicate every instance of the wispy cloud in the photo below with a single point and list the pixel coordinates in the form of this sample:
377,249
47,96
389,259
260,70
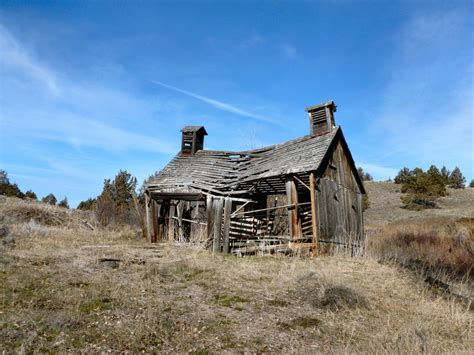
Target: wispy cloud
426,110
289,51
218,104
15,56
254,41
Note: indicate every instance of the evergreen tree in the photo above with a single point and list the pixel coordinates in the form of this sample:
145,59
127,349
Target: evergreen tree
363,175
456,179
445,174
49,199
402,176
31,194
115,203
87,205
63,203
422,189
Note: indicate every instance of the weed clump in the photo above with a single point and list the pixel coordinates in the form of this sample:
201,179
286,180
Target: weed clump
321,293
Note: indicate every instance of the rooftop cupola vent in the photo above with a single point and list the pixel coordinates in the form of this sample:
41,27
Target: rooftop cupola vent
321,118
192,139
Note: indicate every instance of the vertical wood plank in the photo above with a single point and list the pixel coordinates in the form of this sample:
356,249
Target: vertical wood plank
160,224
179,214
210,217
216,245
227,213
314,225
154,222
171,222
292,195
148,217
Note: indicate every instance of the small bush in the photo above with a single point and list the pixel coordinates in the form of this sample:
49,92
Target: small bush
422,189
50,199
30,194
87,205
63,203
471,184
444,248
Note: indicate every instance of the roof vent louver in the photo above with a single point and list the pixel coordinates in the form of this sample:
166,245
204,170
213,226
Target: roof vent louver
192,139
321,118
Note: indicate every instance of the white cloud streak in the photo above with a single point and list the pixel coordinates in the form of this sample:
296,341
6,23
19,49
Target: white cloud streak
14,55
426,111
217,104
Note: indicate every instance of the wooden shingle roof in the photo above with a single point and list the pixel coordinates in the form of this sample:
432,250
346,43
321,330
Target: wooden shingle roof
234,172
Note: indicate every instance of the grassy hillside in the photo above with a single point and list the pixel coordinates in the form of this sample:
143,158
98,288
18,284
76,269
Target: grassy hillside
68,285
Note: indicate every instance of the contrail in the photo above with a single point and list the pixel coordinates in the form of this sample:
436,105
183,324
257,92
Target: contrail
218,104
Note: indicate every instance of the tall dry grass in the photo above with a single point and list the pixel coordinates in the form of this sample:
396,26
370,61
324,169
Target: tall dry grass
437,245
66,288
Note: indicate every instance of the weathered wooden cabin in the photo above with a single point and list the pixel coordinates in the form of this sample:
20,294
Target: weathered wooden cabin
300,196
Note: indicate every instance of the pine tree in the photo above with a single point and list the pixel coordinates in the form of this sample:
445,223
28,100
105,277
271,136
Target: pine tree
402,176
49,199
456,179
445,174
63,203
31,194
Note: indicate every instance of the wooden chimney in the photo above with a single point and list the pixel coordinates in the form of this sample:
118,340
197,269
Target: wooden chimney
192,139
321,118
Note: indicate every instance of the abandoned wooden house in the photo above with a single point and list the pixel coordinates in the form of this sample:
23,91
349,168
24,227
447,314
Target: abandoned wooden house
300,196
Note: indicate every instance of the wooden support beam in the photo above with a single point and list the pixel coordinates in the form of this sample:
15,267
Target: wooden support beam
179,213
171,222
293,220
219,204
227,215
154,238
148,217
210,217
161,226
314,224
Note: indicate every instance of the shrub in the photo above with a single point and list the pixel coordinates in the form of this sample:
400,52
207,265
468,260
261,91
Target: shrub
434,245
365,202
456,179
471,184
363,175
63,203
11,190
87,205
402,176
422,189
31,194
50,200
7,188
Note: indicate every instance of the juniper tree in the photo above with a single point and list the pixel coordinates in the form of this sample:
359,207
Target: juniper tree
63,203
456,179
50,200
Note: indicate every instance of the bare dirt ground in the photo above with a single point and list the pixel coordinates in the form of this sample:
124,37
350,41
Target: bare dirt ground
68,288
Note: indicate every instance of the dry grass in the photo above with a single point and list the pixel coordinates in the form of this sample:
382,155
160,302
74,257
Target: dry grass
67,288
438,245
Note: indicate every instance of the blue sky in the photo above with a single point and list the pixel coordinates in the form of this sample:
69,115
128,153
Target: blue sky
88,88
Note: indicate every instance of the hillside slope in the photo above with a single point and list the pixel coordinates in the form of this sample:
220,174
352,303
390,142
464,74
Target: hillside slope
69,288
386,207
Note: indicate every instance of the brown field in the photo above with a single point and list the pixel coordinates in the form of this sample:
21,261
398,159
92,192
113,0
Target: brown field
67,288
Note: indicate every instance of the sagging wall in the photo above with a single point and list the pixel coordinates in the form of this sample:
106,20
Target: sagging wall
339,206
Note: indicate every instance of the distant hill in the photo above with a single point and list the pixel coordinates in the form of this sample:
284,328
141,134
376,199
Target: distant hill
386,206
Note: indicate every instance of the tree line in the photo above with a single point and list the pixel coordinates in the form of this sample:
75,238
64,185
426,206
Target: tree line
8,188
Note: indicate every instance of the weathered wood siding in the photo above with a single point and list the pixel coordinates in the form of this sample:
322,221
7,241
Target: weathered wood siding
339,206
